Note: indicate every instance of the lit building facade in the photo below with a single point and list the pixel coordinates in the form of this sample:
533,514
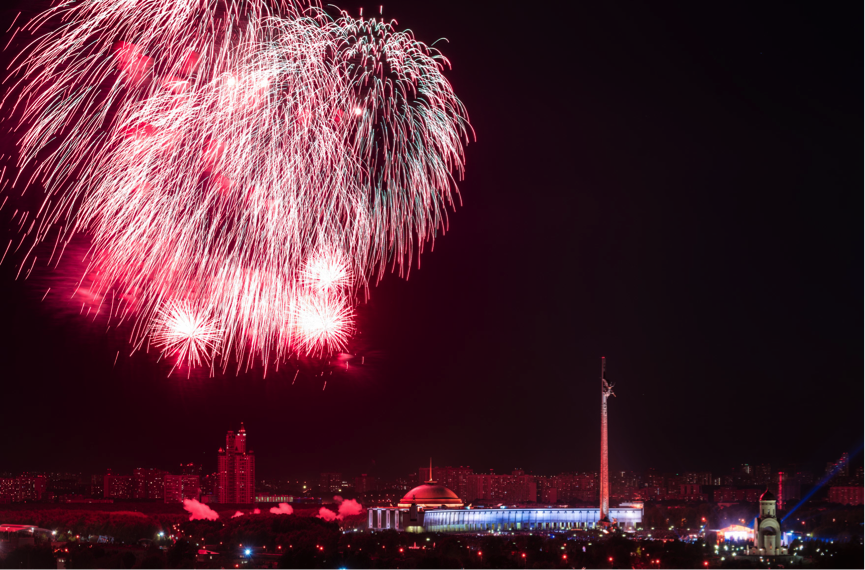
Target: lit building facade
540,519
365,484
236,470
789,490
330,482
24,488
519,487
117,486
270,498
180,487
499,520
435,508
148,483
456,478
846,495
736,495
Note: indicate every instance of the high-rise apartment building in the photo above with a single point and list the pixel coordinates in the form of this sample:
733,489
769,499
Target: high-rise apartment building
7,489
697,478
763,474
365,484
148,483
24,488
514,488
846,495
97,486
180,487
844,465
789,490
454,478
118,486
330,482
190,469
236,470
840,468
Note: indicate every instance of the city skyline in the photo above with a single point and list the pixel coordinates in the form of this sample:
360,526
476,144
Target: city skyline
223,464
212,462
840,481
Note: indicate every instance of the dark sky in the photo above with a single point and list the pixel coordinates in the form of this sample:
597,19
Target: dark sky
676,187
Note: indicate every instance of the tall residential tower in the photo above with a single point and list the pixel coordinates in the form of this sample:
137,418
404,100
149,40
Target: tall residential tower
236,470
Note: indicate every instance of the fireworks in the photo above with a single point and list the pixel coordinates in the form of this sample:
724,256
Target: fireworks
265,165
185,333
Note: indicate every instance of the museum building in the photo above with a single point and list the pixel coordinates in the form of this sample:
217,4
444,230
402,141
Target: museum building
435,508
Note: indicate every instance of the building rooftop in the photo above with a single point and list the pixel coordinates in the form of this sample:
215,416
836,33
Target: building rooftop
431,495
767,496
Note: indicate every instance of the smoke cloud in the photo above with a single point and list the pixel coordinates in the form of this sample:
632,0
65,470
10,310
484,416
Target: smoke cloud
198,511
256,511
282,509
327,514
346,509
237,514
349,508
337,499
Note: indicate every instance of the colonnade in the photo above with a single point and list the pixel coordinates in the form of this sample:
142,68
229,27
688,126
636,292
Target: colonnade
505,520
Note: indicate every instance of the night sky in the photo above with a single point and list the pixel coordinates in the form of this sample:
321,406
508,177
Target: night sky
677,188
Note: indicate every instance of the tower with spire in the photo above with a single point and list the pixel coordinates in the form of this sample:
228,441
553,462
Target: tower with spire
604,484
236,475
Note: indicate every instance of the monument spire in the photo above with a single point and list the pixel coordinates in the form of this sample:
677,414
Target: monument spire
604,484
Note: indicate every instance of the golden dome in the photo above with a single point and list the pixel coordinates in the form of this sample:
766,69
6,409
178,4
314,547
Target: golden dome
430,495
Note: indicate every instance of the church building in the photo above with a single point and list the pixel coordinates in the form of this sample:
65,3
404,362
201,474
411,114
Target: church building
767,529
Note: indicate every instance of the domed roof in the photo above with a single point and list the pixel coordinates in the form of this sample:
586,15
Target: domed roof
767,496
430,495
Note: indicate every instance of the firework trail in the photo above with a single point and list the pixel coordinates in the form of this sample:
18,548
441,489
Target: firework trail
243,173
186,334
